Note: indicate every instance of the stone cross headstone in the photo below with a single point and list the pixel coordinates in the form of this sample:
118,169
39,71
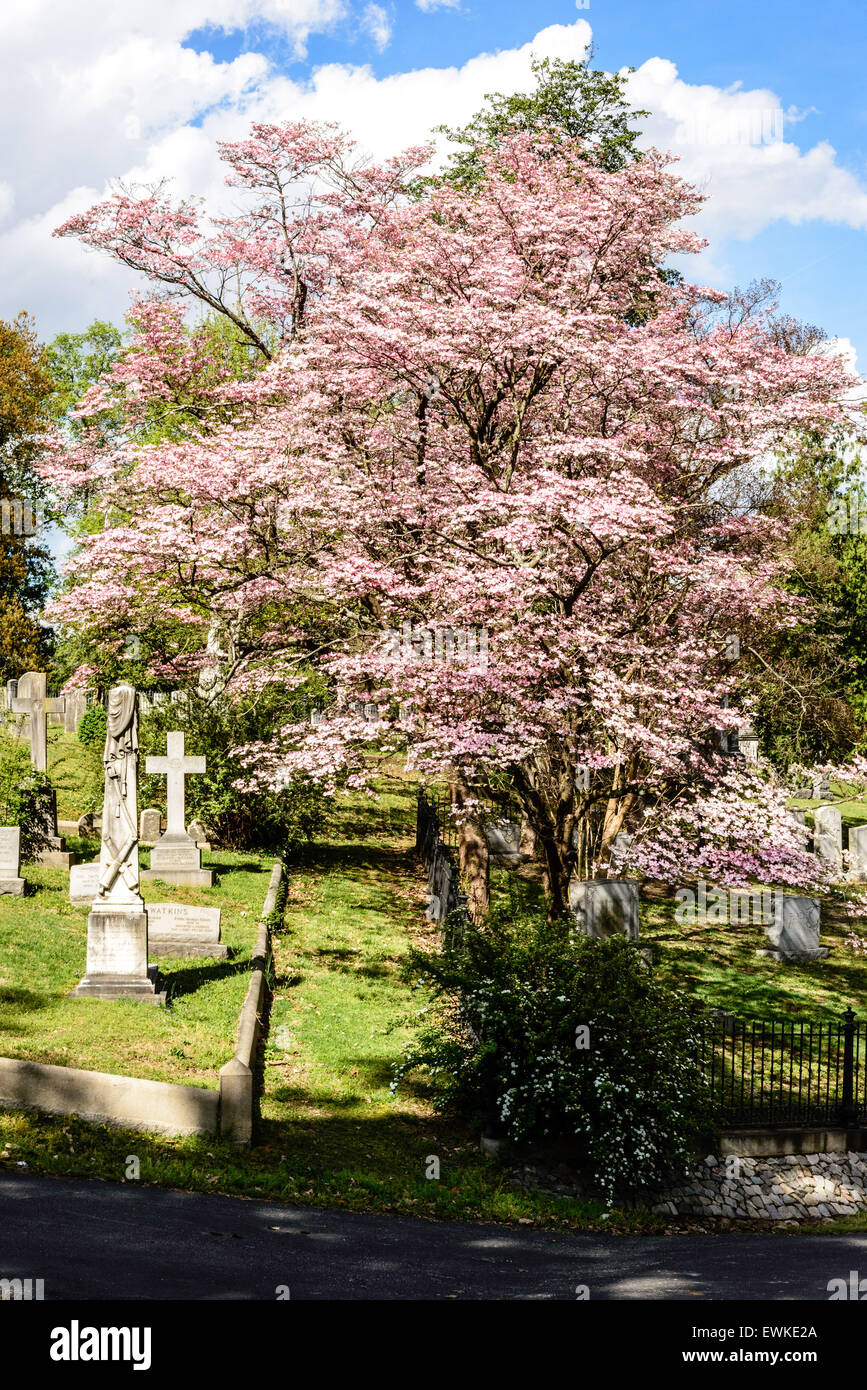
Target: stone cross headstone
32,701
176,858
605,907
829,834
10,860
117,928
794,930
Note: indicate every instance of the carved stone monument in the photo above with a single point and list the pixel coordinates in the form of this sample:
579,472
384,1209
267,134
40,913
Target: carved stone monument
117,928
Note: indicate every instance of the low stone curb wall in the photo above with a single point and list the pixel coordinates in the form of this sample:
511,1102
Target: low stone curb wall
797,1187
237,1096
105,1098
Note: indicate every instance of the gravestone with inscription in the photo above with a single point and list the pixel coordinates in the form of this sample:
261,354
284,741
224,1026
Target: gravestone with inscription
503,837
10,861
604,907
793,932
117,928
84,883
179,929
176,858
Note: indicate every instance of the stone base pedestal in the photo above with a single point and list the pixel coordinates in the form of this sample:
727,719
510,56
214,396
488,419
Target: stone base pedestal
188,878
117,958
15,886
56,859
819,953
176,858
164,946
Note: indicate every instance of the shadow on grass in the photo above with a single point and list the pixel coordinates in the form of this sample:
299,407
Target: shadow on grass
27,1000
186,981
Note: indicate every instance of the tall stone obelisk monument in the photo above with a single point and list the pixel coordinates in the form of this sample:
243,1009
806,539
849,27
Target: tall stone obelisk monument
117,928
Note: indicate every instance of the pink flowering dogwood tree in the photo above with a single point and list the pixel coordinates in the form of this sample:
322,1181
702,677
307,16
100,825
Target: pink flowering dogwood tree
482,419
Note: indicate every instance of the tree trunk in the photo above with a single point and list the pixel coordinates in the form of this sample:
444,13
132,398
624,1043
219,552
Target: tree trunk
474,860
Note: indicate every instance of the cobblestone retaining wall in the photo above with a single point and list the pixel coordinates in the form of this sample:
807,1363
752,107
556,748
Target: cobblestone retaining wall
799,1187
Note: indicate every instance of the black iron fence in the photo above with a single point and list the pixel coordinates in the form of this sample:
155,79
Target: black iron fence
787,1072
487,808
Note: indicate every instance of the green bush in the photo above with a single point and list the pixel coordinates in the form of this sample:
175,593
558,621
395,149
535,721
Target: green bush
92,727
501,1043
24,797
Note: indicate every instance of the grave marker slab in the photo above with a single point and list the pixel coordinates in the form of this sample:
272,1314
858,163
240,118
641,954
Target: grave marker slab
179,929
84,882
605,907
794,931
858,850
150,826
504,837
10,861
829,834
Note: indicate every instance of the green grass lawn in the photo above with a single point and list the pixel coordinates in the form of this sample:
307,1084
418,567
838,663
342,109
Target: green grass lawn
43,942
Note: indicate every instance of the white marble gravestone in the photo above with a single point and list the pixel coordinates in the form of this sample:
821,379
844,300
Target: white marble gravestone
178,929
794,930
605,907
84,882
10,861
117,928
176,858
858,851
829,834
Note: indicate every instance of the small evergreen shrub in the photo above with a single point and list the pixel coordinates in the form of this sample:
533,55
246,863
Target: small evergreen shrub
92,727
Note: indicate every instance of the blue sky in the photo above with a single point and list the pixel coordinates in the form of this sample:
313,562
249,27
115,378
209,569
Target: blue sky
144,89
812,56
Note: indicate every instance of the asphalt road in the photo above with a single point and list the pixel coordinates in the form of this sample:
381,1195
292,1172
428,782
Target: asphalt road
102,1241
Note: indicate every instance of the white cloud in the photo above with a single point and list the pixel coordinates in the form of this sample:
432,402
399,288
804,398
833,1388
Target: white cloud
732,144
110,91
428,5
378,25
